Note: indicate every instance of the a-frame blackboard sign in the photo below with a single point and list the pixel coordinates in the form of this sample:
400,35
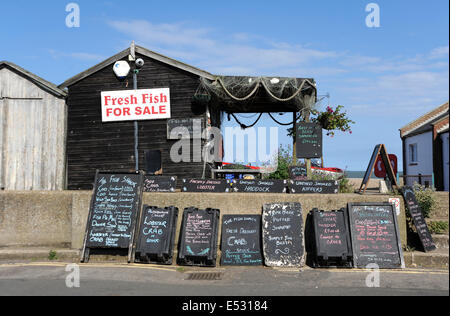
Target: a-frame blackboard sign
379,150
375,235
418,219
113,213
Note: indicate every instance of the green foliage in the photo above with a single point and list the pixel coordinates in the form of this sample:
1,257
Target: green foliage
425,198
285,160
52,255
330,120
409,248
345,186
438,227
333,120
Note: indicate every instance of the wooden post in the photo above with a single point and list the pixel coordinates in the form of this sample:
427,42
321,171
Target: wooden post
295,139
308,161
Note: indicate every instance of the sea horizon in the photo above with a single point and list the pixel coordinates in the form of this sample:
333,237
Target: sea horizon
360,174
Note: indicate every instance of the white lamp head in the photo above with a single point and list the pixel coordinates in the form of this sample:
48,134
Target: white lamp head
122,69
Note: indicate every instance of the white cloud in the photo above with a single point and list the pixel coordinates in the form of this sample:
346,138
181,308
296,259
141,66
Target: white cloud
76,55
218,54
440,52
365,84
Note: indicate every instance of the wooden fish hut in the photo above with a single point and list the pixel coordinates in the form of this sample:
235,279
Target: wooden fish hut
32,131
93,144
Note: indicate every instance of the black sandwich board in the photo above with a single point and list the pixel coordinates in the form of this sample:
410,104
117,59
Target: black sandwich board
283,236
313,186
187,128
113,212
241,240
418,219
259,186
197,245
160,184
298,173
309,138
331,243
379,150
206,185
375,235
156,235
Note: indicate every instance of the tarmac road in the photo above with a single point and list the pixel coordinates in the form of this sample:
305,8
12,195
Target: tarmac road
125,280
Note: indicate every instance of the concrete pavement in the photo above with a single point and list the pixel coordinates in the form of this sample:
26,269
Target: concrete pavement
123,280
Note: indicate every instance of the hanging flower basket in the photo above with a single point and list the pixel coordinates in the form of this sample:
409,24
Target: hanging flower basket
333,120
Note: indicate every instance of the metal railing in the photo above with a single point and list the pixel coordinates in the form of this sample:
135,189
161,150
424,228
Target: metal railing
423,179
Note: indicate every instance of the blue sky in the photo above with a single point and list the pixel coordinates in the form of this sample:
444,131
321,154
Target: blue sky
385,77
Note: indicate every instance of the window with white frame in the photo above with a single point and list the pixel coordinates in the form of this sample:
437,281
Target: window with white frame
413,153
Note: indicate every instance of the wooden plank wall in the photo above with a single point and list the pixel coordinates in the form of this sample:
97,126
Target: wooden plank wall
93,145
32,130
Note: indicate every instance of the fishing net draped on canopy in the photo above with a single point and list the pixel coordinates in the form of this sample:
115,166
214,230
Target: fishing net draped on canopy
240,94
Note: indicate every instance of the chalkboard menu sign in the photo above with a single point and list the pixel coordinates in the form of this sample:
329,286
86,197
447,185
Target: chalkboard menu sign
113,212
298,173
260,186
418,219
206,185
283,237
331,239
175,128
198,237
241,240
309,138
156,235
375,235
160,184
314,186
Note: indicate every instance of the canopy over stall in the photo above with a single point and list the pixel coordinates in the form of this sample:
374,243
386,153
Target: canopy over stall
243,94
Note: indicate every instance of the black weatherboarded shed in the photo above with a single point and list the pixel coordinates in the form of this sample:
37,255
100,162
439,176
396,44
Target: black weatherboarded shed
92,144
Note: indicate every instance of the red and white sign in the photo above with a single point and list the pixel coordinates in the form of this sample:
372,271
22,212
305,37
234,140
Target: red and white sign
136,105
396,203
380,170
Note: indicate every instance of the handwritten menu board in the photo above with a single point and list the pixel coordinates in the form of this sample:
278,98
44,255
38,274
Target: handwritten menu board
309,137
375,235
206,185
260,186
298,173
160,184
156,235
332,238
314,186
198,237
283,237
113,212
194,128
418,218
241,240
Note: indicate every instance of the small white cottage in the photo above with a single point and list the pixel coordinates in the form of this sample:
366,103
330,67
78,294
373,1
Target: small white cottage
426,149
32,131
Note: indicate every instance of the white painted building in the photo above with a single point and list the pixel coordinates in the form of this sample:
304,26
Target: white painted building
426,149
